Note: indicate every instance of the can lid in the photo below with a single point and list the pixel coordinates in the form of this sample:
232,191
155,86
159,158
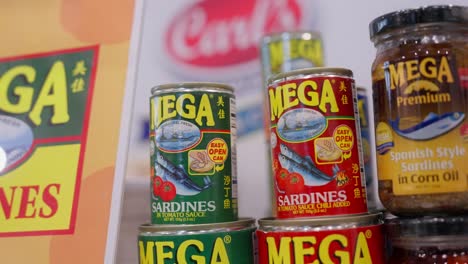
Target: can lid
306,35
318,71
358,220
212,227
422,228
192,85
426,14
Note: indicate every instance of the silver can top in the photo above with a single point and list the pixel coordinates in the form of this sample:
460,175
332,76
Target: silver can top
316,71
192,86
168,229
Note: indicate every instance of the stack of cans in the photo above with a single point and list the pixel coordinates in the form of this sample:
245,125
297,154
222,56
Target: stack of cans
321,213
283,52
194,214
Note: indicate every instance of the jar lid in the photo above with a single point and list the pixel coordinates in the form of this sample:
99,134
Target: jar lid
427,226
427,14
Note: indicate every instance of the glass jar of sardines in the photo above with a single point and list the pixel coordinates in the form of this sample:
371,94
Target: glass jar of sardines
427,240
420,87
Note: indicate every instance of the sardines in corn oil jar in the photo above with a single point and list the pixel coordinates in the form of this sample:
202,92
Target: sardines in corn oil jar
420,84
193,154
315,143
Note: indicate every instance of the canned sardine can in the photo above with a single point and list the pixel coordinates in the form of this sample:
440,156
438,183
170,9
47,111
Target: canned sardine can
315,143
193,154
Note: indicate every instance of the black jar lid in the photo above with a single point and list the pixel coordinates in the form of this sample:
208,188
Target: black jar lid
427,228
427,14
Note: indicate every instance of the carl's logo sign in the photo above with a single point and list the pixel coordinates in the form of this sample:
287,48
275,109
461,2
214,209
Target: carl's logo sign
418,80
45,101
211,34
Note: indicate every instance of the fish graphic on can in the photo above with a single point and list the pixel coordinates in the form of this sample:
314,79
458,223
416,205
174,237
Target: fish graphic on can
192,147
315,143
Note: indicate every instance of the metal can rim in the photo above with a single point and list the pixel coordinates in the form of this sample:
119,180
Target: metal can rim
242,223
363,219
315,71
191,86
285,35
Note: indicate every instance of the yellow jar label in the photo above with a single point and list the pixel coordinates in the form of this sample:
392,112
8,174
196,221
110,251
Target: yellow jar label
422,167
383,138
421,126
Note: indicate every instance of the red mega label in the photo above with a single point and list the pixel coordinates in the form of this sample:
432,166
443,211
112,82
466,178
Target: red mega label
214,33
364,245
315,147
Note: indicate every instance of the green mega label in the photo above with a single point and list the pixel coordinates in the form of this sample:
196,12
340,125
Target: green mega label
45,102
222,247
192,139
49,92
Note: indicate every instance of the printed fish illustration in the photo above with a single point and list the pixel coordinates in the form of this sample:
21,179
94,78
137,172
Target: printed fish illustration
307,161
432,126
313,177
16,142
184,185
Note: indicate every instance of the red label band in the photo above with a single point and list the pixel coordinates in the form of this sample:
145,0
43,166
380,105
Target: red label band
357,245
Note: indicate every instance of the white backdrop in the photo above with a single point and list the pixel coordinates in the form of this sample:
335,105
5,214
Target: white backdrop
344,29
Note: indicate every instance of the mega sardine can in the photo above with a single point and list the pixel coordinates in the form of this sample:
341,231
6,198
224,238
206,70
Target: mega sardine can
315,143
284,52
193,157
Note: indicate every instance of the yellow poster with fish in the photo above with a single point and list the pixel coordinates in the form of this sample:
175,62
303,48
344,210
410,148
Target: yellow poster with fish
65,96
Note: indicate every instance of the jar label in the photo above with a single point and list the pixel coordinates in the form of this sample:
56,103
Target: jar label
421,125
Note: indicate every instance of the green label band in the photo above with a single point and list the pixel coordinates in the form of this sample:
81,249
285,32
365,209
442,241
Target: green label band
222,247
